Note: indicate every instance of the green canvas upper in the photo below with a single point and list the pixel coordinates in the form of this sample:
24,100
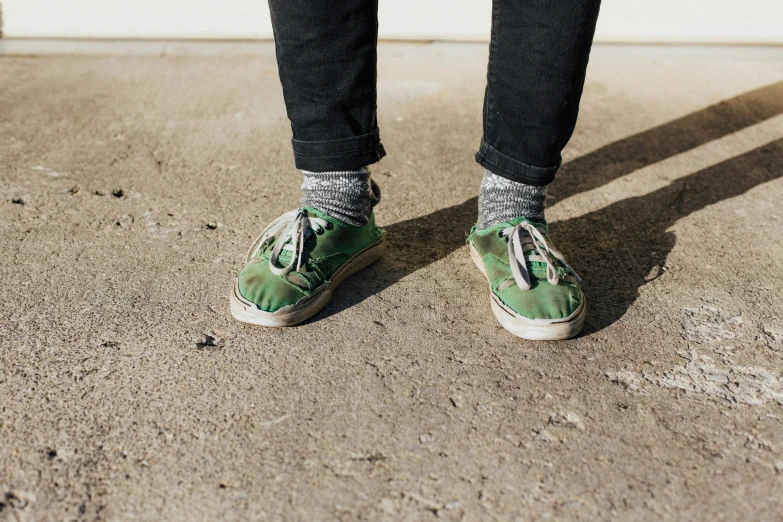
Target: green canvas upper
543,300
324,253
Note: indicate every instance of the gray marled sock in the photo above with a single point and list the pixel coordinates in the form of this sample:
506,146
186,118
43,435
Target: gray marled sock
501,199
345,195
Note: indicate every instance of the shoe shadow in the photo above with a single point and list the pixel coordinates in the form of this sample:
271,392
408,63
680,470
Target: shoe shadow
410,245
631,233
624,246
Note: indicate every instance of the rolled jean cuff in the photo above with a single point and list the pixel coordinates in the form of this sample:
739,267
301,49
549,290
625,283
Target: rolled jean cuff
507,167
344,154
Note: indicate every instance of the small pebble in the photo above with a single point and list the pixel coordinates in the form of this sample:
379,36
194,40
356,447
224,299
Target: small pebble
208,343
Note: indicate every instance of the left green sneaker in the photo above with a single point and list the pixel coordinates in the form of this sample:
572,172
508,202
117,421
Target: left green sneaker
533,292
297,262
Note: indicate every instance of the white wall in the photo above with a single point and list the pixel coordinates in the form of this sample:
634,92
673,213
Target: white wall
751,21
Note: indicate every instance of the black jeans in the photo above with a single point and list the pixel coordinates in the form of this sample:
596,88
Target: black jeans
326,54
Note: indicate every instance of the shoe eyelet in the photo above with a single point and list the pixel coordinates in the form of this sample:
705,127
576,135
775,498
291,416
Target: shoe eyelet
329,225
506,238
500,233
320,231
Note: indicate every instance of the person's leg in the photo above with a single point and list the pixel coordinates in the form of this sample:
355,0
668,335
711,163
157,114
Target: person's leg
326,53
538,57
537,61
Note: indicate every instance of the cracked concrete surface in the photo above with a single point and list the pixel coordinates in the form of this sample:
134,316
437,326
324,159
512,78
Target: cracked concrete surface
131,186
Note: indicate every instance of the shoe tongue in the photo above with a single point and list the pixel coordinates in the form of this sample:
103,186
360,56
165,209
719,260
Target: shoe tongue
534,265
285,255
537,224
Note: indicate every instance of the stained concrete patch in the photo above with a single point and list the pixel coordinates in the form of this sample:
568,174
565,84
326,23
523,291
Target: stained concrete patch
709,324
733,385
702,377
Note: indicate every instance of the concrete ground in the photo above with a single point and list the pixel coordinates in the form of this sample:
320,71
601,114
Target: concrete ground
131,187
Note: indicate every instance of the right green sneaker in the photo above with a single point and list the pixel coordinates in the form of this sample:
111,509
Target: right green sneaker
533,292
297,262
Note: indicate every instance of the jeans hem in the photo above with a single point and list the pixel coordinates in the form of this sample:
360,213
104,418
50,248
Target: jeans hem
343,154
507,167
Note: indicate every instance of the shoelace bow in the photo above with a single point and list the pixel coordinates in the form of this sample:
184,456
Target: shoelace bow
289,231
525,237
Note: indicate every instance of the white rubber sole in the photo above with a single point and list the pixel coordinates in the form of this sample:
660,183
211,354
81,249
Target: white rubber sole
532,329
247,312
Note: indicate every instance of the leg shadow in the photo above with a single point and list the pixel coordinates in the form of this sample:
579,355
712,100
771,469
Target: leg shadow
675,137
620,248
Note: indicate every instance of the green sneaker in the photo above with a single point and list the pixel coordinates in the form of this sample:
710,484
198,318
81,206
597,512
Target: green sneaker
533,292
297,262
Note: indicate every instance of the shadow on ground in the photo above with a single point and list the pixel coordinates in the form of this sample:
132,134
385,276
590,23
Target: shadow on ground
616,249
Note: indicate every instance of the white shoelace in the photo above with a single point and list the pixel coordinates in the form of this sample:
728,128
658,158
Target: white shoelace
523,238
289,230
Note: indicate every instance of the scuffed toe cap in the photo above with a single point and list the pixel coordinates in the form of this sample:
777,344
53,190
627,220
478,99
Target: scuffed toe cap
266,290
543,300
